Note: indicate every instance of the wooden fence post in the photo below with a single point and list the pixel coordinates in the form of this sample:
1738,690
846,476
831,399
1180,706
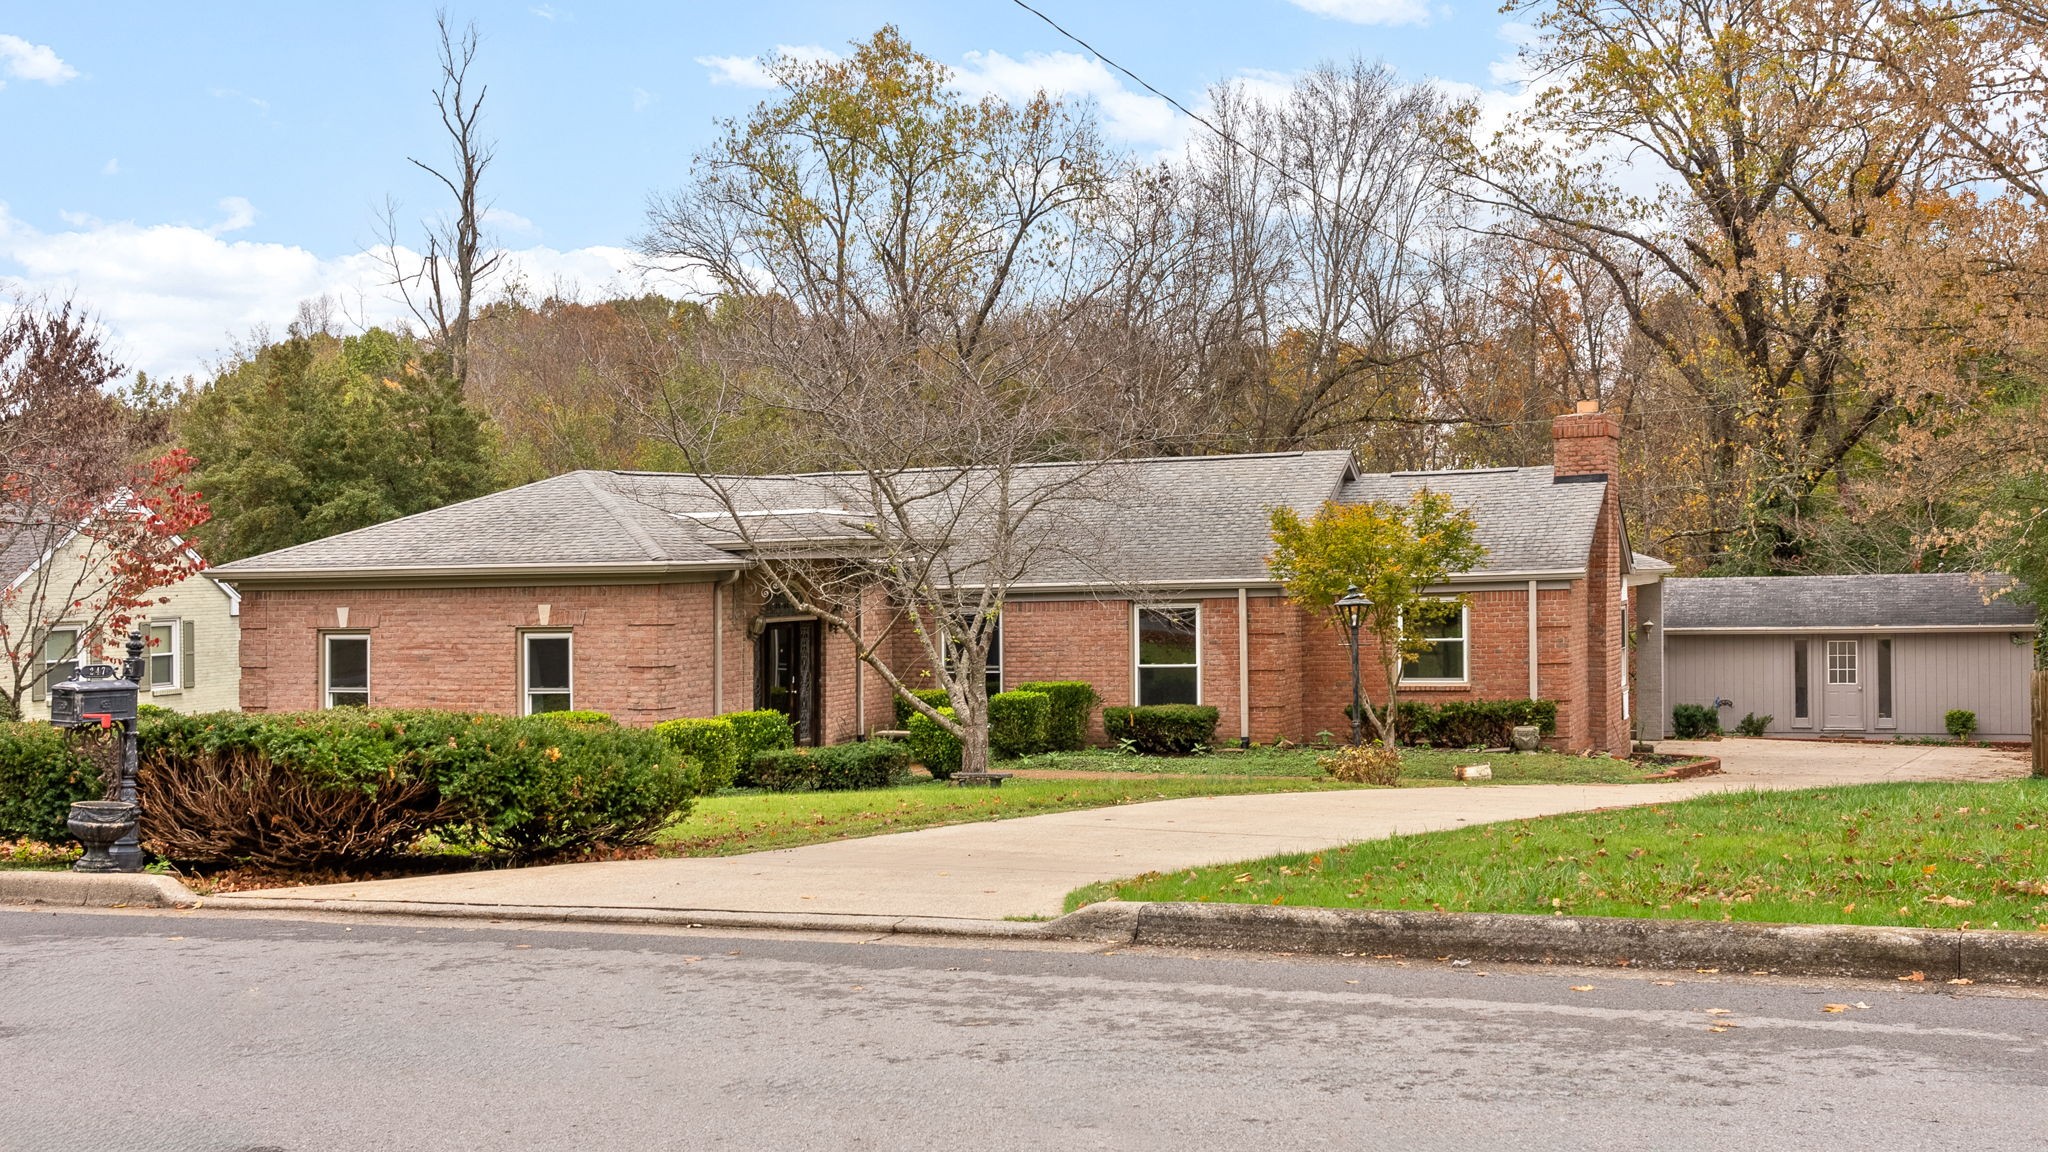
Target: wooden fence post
2039,750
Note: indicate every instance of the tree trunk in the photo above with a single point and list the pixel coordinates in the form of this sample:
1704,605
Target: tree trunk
970,709
2039,750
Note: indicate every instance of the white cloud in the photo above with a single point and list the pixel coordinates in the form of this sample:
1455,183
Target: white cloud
240,214
1135,117
1368,11
752,71
25,61
507,221
642,98
175,296
112,167
545,12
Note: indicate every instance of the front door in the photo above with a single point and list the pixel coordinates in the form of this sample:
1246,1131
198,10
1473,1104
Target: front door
786,674
1842,688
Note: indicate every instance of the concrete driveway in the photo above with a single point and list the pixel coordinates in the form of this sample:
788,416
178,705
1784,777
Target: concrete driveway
1025,867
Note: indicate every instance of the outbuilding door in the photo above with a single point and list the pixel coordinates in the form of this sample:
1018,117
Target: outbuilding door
1842,685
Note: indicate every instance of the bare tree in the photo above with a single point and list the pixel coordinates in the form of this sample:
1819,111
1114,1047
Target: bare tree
440,286
916,290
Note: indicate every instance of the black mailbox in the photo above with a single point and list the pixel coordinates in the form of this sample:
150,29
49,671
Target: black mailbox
96,696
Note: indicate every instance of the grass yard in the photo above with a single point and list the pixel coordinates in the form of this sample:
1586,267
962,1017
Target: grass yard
1420,766
731,824
1924,855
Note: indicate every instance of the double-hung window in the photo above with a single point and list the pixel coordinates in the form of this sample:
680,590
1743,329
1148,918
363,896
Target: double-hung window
548,675
345,670
992,667
163,655
1168,655
1442,659
60,656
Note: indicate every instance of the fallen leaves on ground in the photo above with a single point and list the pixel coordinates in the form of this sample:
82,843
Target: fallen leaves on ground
1913,977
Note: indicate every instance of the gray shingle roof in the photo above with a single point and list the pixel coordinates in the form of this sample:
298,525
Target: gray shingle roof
1199,519
1528,522
1802,603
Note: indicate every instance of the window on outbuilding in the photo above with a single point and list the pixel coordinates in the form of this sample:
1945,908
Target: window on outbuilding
1802,685
1884,682
549,677
1169,655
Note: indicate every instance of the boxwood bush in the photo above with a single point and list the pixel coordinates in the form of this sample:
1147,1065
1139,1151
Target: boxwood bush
1163,729
934,747
1072,704
837,768
1470,723
42,771
713,745
936,697
1693,721
758,732
1017,723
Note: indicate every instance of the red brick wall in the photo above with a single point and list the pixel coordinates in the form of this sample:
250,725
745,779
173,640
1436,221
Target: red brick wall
639,650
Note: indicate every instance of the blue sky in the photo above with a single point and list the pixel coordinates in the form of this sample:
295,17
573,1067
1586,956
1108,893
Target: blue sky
193,171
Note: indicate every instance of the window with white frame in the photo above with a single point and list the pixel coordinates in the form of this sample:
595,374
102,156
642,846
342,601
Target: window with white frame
345,670
1169,655
60,656
163,655
1442,659
992,667
548,675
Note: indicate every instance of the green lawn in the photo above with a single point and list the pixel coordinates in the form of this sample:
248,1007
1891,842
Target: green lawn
734,823
1420,765
1927,855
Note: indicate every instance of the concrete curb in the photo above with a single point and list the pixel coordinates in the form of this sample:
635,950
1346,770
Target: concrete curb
667,917
94,889
1788,949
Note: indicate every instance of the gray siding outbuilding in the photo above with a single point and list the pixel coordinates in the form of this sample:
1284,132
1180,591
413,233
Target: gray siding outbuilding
1874,656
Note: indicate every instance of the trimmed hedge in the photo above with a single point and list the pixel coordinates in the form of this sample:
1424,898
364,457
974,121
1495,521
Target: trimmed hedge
298,789
934,747
713,745
759,732
1017,723
1072,703
836,768
42,771
580,716
1692,721
1163,729
1470,723
936,697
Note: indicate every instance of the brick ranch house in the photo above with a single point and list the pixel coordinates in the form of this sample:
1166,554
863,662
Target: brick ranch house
619,592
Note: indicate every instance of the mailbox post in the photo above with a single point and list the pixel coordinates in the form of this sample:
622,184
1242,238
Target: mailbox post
102,696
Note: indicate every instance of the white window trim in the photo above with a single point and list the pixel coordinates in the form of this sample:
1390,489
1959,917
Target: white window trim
77,657
1137,620
174,651
1798,721
1884,662
1464,640
526,688
327,640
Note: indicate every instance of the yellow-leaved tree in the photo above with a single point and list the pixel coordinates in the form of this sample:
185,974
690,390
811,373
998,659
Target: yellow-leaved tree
1398,557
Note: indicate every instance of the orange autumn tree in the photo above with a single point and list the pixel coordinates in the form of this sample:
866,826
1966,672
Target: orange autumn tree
1395,555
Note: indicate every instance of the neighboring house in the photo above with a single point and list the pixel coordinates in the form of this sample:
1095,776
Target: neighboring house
623,592
194,642
1871,656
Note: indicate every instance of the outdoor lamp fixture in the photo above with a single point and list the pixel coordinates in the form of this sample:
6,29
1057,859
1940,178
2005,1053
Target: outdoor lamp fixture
1354,606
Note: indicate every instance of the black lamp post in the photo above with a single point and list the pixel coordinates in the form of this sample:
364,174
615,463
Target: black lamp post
1354,606
100,695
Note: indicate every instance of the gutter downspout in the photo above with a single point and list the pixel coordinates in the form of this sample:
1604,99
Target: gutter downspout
1244,671
718,641
1534,688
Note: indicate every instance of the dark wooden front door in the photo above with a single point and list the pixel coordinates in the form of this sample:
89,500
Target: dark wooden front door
786,663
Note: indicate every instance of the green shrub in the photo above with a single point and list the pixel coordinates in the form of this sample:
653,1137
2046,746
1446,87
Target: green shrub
1072,704
1469,723
1163,729
580,716
302,789
759,732
713,745
1017,723
934,747
936,697
837,768
1364,764
1961,722
1695,721
1753,725
42,771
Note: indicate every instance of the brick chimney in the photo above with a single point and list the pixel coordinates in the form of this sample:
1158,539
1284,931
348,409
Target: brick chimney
1587,442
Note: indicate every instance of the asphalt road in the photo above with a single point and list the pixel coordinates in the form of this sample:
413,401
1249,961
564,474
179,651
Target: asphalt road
207,1031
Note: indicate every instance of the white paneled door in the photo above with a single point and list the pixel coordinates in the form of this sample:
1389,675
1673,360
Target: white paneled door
1842,686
